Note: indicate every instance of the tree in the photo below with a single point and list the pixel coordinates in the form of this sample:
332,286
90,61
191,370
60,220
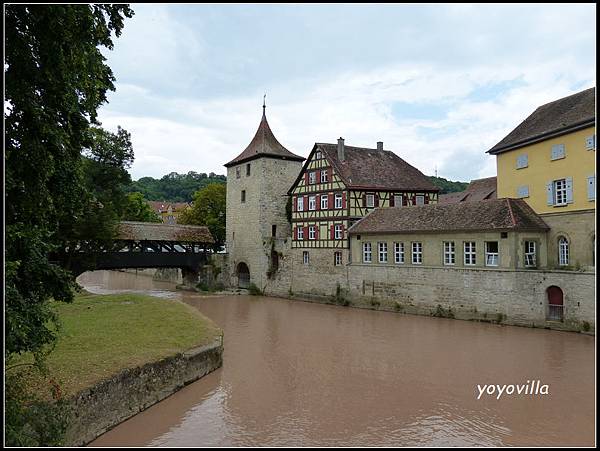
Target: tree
137,209
208,210
55,80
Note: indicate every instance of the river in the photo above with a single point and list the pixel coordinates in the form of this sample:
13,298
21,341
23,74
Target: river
305,374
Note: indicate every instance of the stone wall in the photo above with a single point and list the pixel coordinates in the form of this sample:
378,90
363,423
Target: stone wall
100,408
515,297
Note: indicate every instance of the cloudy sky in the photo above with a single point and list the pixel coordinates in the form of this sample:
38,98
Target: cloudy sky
438,84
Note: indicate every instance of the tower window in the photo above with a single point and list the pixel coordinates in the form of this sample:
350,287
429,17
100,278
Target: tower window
248,169
274,230
243,196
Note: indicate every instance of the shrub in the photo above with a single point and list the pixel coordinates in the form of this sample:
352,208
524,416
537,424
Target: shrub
254,290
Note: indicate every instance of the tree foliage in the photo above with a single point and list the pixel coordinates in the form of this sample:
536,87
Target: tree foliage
174,187
447,186
208,210
55,80
137,209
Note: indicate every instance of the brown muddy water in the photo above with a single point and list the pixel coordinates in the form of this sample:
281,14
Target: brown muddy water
305,374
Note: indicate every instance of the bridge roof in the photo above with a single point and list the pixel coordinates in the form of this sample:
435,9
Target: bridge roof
152,231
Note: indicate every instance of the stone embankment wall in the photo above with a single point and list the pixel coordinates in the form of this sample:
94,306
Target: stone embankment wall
514,297
103,406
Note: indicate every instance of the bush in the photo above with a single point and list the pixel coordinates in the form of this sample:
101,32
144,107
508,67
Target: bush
254,290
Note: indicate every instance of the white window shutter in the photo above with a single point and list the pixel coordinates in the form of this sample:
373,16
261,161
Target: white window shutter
569,181
558,151
522,161
550,193
592,187
590,142
523,191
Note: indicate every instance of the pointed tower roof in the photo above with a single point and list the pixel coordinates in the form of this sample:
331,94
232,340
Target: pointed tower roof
264,144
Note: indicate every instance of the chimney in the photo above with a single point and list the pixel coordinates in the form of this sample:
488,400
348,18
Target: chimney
341,153
379,145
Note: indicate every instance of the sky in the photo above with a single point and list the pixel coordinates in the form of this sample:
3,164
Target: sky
438,84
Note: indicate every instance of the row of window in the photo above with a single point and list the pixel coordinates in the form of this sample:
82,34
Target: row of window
238,171
449,253
557,152
324,198
560,192
337,258
337,232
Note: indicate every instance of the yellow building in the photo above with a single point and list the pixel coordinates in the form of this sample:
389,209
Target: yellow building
169,212
549,161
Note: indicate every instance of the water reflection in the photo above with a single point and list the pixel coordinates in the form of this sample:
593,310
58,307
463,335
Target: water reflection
298,373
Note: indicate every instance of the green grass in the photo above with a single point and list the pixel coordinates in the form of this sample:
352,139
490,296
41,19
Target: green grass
101,335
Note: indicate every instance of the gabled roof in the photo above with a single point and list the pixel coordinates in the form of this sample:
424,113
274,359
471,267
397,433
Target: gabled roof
556,118
159,206
479,189
133,230
264,144
372,169
499,214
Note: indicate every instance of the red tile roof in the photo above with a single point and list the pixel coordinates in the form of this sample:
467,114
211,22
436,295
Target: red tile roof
479,189
499,214
264,143
131,230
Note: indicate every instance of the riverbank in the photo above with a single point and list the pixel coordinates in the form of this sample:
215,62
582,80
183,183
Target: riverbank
118,354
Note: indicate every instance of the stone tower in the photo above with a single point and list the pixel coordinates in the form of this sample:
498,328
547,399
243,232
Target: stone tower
257,226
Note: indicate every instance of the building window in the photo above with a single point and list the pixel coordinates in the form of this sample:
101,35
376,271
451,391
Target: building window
324,176
370,200
367,255
311,232
237,172
449,253
338,201
399,253
491,253
420,199
530,260
558,152
337,258
243,196
397,200
560,192
383,252
338,232
522,161
273,230
300,233
523,191
324,202
417,253
305,257
590,142
247,169
470,250
318,155
300,203
312,202
563,251
312,178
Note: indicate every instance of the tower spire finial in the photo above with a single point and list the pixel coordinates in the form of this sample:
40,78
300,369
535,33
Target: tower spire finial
264,103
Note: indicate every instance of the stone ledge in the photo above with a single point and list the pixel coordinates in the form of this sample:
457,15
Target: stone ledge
97,409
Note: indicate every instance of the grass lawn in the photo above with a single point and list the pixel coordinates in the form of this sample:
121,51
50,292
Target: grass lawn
101,335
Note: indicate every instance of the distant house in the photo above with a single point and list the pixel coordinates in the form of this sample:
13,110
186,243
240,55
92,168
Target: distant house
168,211
479,189
339,185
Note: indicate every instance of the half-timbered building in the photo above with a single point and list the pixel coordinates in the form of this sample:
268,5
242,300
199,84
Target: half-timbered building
340,184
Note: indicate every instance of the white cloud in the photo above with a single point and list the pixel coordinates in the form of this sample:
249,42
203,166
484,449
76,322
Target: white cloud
186,133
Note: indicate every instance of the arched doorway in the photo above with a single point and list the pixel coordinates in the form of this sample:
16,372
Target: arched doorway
555,304
243,273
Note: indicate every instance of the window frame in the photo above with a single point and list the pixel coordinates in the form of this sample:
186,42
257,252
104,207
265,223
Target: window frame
312,232
312,177
563,251
300,233
372,197
562,191
367,252
338,228
337,197
312,200
417,252
337,258
489,254
305,257
324,202
382,251
472,252
300,203
529,253
449,253
419,196
326,178
399,252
